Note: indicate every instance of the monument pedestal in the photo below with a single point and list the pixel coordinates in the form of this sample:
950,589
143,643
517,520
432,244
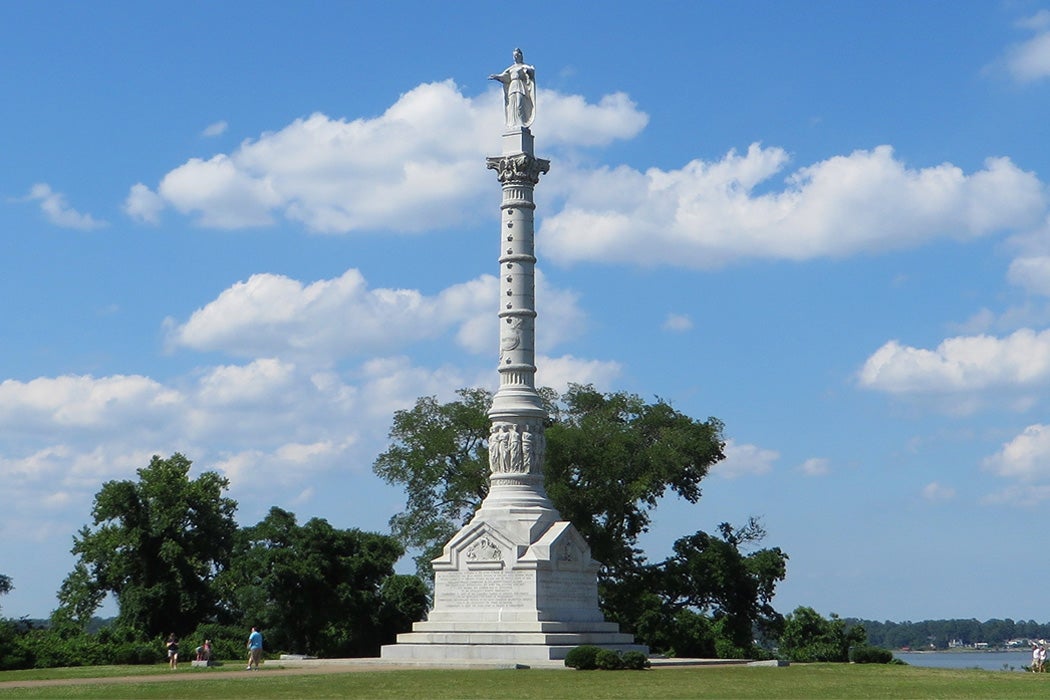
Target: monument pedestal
497,599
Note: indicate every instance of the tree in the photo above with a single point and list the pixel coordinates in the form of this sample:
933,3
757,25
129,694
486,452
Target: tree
715,575
439,453
156,544
319,590
5,584
610,459
808,637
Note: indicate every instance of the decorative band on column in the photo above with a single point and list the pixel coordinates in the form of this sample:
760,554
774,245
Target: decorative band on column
517,448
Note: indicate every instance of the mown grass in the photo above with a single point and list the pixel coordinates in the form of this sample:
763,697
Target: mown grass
798,681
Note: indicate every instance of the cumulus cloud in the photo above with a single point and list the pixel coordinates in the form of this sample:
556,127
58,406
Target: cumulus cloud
961,364
416,167
559,372
1026,457
708,214
143,204
84,402
272,315
1031,273
1030,60
745,460
57,210
1025,462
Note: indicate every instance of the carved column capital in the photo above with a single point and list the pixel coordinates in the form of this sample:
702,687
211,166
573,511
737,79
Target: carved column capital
518,168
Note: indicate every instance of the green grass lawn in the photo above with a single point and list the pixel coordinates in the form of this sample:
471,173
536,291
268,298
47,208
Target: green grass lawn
797,681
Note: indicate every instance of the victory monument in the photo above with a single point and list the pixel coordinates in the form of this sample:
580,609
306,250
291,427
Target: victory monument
517,584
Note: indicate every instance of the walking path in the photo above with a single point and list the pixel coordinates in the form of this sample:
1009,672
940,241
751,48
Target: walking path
323,666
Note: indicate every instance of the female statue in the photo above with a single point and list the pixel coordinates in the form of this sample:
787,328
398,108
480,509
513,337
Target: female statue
519,91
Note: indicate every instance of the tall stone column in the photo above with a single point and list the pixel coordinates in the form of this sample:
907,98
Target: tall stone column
517,445
516,584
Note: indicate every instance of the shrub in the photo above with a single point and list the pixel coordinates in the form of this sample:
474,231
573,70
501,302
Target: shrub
583,658
608,660
134,653
870,655
588,657
635,661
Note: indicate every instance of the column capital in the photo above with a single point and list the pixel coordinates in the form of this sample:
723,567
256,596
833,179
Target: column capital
519,168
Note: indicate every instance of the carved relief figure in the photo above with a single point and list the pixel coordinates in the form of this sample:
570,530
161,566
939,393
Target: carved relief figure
515,464
519,91
528,450
497,450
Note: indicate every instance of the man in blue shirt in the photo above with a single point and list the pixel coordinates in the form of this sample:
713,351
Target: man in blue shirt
255,645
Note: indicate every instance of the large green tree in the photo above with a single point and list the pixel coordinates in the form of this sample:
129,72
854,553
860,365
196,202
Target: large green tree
809,637
316,589
611,457
156,544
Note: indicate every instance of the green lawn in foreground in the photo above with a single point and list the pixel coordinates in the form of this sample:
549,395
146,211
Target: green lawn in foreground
797,681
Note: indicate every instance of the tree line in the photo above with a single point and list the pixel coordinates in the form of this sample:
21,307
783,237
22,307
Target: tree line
940,634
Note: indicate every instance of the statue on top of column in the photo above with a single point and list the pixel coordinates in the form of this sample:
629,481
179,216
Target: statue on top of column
519,92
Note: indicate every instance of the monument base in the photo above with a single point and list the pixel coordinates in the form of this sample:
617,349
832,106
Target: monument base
495,601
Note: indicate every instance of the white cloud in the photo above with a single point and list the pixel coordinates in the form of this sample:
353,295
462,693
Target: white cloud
245,385
57,210
677,323
84,402
962,364
745,460
559,372
569,120
709,214
216,129
1030,60
290,463
937,492
1031,273
275,316
815,466
143,204
419,166
1026,457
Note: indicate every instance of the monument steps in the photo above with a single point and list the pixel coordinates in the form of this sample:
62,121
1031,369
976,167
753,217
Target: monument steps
603,639
488,652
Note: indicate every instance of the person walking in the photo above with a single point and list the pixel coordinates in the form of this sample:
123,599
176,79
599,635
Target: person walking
255,647
173,651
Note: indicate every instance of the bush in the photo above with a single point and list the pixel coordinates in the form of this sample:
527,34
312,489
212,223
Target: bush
870,655
608,660
635,661
134,653
583,658
588,657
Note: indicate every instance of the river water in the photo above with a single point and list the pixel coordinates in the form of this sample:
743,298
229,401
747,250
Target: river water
987,660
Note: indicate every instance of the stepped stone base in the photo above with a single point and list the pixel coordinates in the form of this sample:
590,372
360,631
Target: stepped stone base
500,601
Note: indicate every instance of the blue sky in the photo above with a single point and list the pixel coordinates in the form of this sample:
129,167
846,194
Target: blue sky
249,232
